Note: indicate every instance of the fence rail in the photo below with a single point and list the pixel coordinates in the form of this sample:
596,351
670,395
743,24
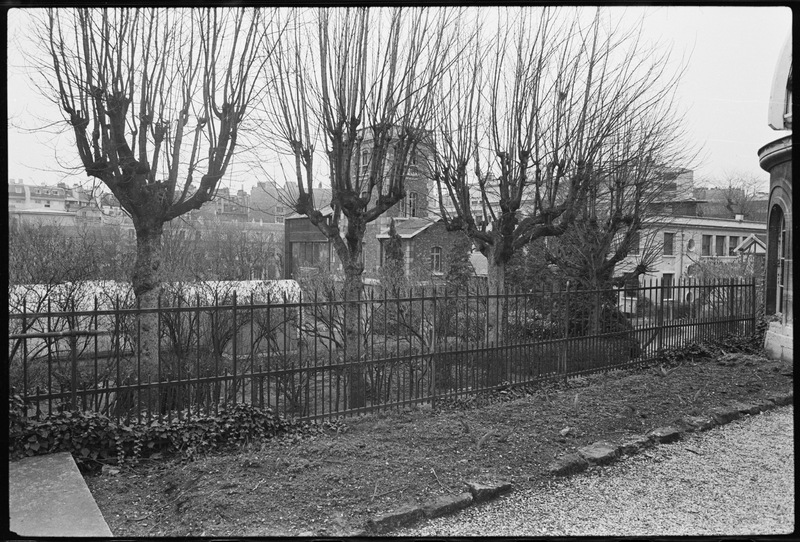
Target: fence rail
320,357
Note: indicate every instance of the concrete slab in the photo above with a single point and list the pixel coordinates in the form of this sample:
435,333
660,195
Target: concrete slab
49,497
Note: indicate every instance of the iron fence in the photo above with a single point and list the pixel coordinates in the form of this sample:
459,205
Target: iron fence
316,356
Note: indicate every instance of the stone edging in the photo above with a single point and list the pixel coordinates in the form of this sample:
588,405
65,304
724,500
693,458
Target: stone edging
604,453
441,506
598,453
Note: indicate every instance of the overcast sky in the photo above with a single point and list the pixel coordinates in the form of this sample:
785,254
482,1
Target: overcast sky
731,51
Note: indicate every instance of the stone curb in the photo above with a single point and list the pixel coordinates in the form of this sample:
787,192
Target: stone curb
448,504
598,453
605,453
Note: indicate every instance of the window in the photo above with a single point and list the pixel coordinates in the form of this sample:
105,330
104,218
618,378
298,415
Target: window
279,212
631,286
671,186
720,248
634,246
47,203
666,285
436,259
706,246
784,265
365,162
733,241
475,202
412,204
669,244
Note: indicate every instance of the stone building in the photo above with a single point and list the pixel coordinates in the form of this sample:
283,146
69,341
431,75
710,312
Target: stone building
776,158
424,238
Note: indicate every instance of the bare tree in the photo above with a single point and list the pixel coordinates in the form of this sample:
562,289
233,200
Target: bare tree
534,106
622,196
362,80
155,98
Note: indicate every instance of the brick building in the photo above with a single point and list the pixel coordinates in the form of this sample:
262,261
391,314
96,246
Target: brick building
425,240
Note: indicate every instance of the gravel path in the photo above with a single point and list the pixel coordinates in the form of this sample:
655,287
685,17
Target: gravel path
734,480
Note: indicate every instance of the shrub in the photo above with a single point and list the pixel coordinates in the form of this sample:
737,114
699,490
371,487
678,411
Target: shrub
95,439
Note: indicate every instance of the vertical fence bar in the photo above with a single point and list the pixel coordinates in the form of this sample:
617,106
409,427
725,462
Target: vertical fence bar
319,398
753,304
24,329
331,345
660,315
49,361
73,344
235,361
96,396
433,350
252,352
567,345
198,386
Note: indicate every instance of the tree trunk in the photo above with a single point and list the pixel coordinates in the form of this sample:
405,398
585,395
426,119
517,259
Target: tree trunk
495,305
496,362
357,392
146,288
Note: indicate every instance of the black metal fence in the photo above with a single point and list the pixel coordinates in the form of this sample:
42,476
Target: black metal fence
293,356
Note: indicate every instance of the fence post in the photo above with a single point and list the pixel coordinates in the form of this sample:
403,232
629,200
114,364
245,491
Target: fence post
235,333
753,304
661,316
563,355
73,343
732,309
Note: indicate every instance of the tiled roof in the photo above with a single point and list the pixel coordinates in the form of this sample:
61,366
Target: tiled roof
408,228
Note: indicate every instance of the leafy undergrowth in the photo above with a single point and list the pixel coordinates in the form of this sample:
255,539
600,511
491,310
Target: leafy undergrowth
329,484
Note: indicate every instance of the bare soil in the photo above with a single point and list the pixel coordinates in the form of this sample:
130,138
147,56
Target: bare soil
329,485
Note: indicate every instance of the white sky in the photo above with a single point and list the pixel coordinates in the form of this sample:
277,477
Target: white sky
725,91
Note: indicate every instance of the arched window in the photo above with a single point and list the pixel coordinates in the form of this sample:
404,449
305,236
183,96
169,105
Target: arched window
776,261
436,259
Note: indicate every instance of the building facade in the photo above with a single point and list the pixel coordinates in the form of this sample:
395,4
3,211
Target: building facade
425,240
230,215
776,158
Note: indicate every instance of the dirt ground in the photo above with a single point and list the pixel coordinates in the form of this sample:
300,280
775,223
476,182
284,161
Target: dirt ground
329,485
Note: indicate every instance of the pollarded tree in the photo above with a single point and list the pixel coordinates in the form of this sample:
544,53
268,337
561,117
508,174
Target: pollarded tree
155,99
623,193
363,81
532,110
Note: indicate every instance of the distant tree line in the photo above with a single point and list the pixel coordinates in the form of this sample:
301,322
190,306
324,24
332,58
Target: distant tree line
48,254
